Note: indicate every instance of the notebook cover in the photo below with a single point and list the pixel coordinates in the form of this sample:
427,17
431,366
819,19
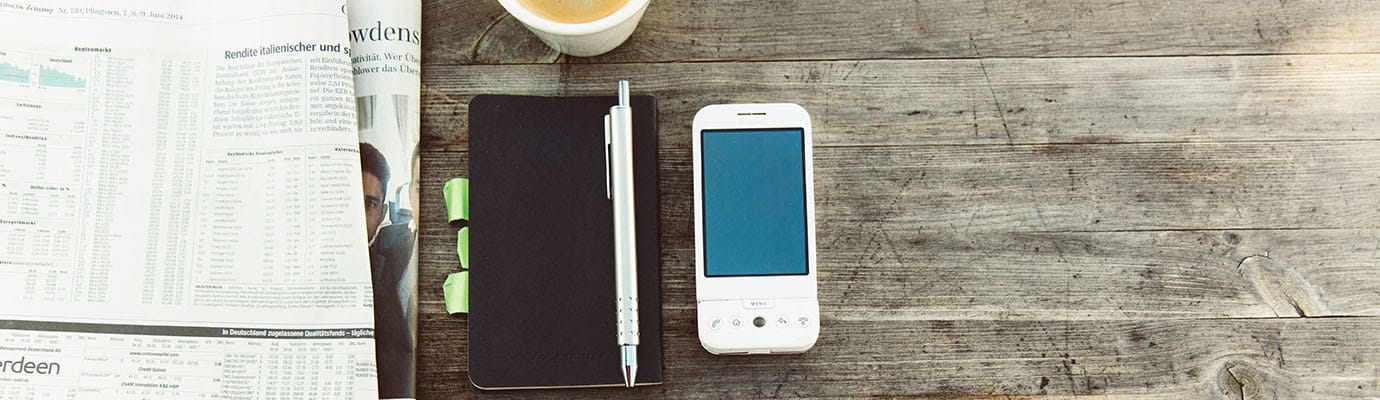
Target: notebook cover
541,243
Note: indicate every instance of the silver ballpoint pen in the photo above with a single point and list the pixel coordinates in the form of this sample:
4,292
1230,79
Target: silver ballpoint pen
619,133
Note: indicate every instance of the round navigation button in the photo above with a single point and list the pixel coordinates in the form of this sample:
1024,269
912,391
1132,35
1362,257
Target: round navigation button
759,322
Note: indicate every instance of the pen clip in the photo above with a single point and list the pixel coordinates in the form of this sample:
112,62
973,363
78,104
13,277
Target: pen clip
608,179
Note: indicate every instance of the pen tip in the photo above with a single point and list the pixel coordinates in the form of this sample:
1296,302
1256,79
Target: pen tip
629,375
623,93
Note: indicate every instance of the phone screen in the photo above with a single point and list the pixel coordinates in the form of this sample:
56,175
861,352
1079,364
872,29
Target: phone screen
754,202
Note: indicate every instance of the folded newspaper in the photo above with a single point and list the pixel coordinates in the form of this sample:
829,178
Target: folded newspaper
208,199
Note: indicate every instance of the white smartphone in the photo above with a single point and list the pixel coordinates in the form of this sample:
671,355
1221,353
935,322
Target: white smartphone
755,286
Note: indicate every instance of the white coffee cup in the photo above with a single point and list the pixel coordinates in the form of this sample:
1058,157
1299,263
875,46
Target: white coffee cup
583,39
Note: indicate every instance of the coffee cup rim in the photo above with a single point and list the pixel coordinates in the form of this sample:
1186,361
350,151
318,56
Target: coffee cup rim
563,28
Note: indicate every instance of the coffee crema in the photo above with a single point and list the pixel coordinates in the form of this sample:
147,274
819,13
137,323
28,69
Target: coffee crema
573,11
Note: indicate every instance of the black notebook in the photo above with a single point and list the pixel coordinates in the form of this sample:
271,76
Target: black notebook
541,245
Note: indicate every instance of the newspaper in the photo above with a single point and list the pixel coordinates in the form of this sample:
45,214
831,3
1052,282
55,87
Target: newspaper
386,51
180,202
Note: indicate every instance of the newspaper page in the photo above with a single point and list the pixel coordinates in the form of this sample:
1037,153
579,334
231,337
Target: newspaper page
180,203
385,49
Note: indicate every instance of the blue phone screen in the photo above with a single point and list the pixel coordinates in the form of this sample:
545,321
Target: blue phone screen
754,202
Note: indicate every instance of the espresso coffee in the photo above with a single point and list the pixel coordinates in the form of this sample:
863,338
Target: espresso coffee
573,11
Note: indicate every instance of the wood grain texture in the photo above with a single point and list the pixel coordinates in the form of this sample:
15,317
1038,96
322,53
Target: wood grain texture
1030,250
883,274
948,102
1069,188
1174,359
1015,199
480,32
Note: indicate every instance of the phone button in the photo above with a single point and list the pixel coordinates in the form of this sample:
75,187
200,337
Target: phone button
802,321
716,323
736,322
758,304
782,321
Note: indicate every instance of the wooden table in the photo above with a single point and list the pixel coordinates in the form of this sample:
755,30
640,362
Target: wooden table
1170,199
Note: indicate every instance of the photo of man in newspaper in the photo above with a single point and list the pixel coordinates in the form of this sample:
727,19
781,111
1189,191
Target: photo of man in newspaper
392,247
385,55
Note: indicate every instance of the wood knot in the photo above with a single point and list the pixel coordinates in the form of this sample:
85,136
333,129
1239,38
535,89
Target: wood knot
1241,381
1281,287
1231,238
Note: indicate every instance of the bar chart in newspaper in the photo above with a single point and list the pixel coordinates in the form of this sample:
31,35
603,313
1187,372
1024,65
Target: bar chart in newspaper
14,69
41,71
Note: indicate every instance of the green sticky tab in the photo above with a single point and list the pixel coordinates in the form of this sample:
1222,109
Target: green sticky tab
462,247
457,192
457,292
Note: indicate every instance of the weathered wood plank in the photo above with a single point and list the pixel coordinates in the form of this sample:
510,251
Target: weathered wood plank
931,102
1261,358
479,31
1061,276
1088,187
994,232
1096,187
